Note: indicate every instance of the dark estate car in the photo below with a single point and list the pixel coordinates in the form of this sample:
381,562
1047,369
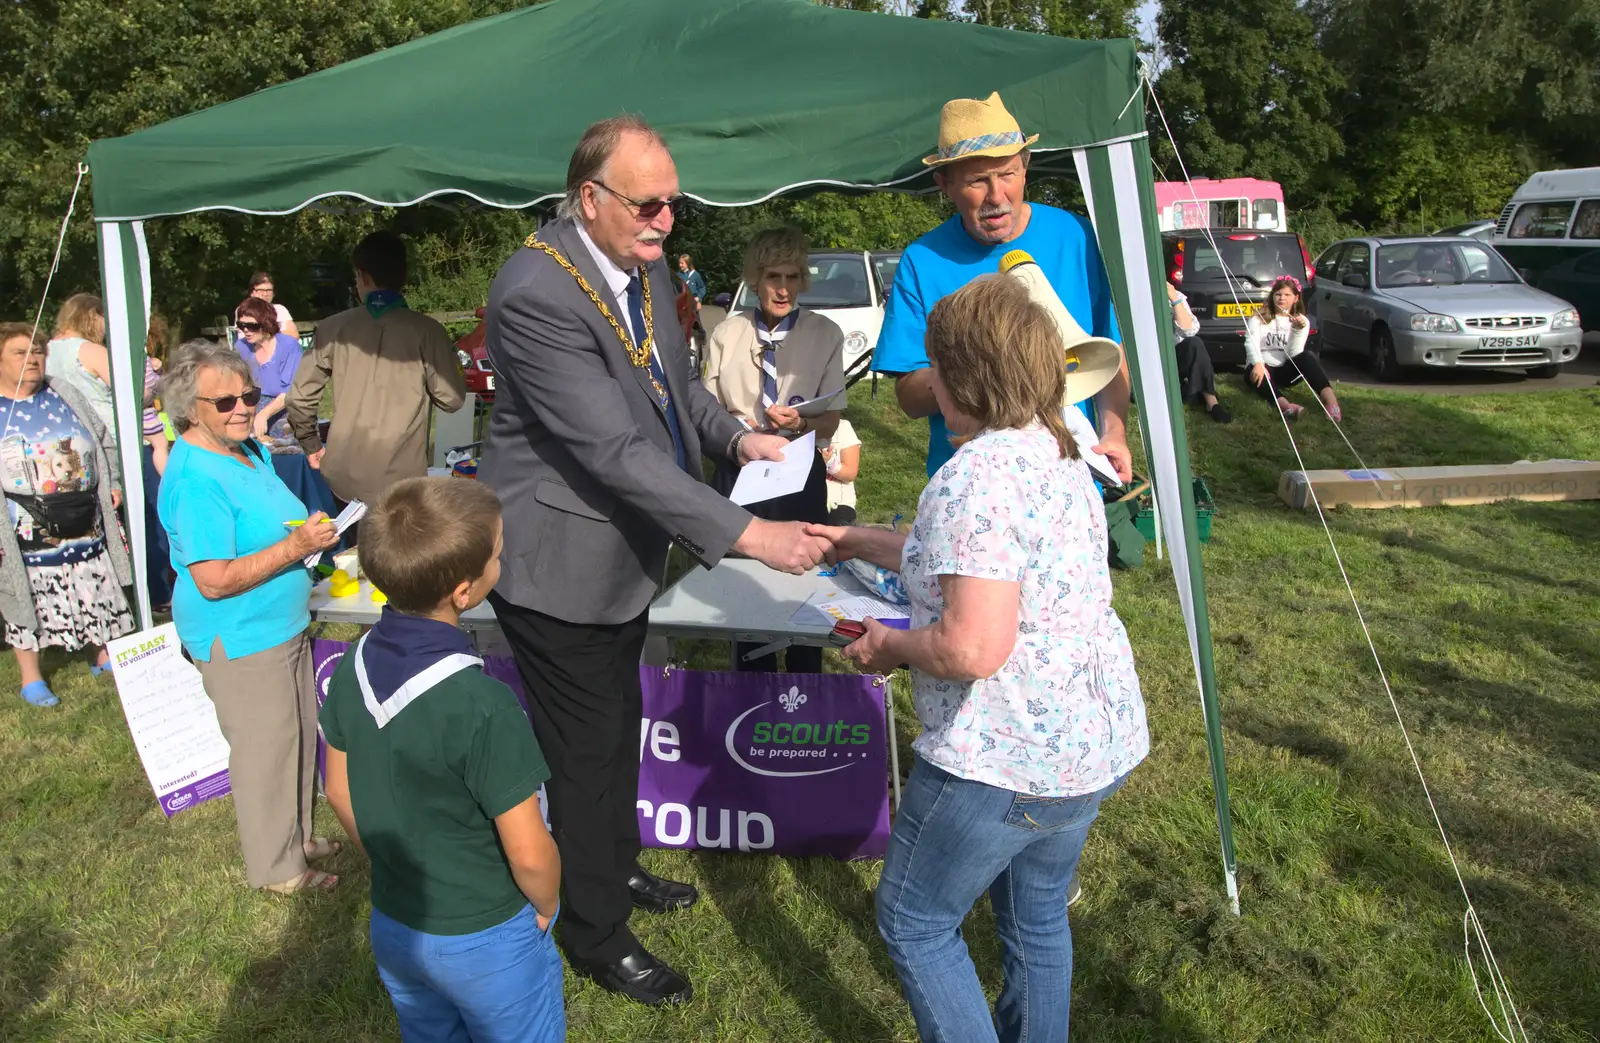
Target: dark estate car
1226,273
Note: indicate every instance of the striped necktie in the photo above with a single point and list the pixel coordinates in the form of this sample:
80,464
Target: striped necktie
770,341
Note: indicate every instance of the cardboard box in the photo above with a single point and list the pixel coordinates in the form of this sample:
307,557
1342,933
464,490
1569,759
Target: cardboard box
1447,486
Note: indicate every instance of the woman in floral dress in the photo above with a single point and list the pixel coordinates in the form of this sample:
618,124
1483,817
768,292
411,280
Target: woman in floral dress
62,561
1021,674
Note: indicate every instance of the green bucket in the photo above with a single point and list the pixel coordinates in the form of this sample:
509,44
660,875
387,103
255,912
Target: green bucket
1145,519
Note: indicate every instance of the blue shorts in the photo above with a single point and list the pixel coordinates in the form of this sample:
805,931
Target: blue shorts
500,985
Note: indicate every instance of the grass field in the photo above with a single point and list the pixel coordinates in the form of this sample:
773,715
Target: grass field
117,925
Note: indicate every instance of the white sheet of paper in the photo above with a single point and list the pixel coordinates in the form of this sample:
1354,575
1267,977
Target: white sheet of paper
827,607
769,479
1085,435
173,723
813,407
353,512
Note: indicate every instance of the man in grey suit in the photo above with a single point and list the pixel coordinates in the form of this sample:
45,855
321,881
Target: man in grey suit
594,449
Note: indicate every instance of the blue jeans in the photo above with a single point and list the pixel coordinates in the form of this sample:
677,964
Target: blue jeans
953,840
500,985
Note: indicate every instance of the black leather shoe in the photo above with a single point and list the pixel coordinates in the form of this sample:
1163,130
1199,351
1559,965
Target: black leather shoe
653,894
642,978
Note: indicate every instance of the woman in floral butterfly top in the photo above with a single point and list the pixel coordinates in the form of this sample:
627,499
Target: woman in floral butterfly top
1022,674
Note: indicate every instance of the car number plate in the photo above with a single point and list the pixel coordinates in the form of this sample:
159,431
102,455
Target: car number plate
1234,311
488,382
1529,340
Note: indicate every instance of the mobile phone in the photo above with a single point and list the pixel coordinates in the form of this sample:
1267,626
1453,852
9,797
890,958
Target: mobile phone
847,632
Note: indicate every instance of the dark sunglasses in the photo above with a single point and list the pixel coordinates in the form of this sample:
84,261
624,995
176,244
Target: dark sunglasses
648,209
226,403
250,327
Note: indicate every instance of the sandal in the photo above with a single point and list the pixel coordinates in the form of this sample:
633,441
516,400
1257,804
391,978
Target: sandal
1335,414
97,668
1292,411
322,847
310,880
37,693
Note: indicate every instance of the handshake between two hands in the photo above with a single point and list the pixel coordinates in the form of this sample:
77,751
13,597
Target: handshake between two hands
792,547
797,546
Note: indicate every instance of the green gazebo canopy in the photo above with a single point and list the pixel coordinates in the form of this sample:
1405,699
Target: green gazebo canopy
756,97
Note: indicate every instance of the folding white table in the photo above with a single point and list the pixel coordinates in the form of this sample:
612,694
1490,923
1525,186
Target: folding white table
739,600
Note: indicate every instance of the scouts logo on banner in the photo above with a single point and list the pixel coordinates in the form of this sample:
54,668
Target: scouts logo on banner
792,764
795,764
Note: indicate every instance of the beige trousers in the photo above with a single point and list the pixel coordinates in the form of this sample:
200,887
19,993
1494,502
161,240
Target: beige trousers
267,707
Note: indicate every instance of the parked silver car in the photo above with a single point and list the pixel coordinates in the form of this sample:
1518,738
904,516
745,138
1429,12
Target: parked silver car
1438,302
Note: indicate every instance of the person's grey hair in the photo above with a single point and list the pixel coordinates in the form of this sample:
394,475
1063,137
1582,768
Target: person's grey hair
777,246
594,151
180,377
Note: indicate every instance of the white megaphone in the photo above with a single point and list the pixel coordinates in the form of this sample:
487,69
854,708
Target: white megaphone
1091,362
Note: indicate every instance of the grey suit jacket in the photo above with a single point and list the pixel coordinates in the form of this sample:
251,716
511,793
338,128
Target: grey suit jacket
579,451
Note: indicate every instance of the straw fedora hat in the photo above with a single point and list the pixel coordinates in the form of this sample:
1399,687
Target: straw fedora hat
969,127
1091,362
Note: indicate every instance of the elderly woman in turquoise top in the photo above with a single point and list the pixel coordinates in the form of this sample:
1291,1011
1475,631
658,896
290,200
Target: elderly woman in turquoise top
1021,674
241,606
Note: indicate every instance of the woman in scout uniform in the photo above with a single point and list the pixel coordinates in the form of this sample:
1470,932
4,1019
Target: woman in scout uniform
762,365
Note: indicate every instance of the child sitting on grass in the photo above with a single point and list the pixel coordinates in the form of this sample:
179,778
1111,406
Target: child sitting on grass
433,769
1275,339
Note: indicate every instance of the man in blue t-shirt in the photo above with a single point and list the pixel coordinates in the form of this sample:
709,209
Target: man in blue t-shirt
982,166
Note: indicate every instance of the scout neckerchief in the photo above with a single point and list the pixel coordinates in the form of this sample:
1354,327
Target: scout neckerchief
769,341
381,302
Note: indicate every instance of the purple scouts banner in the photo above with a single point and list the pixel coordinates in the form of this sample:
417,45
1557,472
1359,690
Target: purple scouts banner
792,764
795,764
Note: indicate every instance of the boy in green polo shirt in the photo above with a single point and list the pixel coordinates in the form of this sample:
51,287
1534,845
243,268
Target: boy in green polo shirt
433,769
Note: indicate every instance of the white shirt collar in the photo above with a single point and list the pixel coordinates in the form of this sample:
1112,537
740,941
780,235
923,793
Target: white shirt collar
616,279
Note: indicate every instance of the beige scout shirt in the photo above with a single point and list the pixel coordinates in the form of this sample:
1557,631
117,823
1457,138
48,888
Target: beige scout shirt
810,362
385,372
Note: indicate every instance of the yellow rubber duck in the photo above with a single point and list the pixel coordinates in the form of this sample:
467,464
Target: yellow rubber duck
379,597
341,584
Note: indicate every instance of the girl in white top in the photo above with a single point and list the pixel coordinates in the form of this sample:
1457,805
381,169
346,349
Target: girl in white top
1275,339
842,455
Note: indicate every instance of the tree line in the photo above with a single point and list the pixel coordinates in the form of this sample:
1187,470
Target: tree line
1373,114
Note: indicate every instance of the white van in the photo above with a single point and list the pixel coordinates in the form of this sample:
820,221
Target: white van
1550,232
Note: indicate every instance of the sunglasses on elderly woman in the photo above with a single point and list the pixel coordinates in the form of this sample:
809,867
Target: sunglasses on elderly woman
250,327
226,403
647,209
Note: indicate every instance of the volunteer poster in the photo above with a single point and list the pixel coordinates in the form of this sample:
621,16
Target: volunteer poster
173,724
